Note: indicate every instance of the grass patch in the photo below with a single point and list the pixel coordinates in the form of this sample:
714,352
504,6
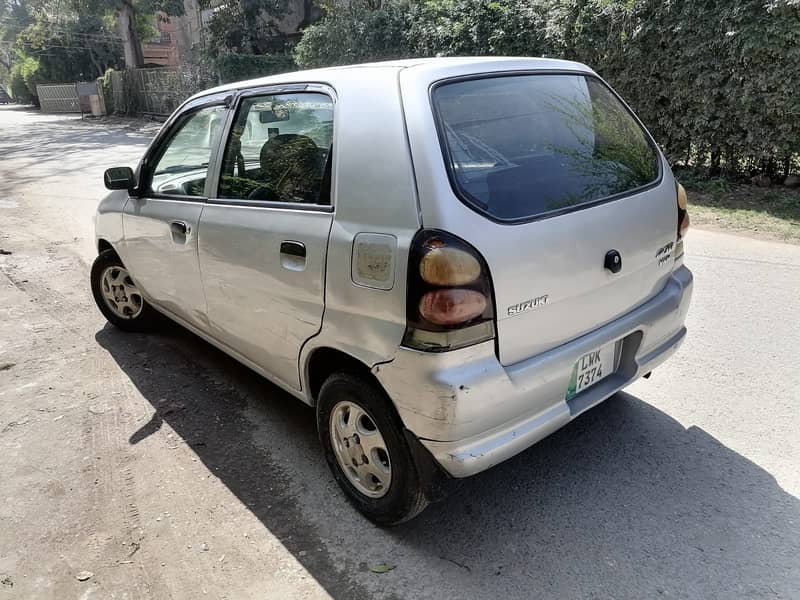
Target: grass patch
772,212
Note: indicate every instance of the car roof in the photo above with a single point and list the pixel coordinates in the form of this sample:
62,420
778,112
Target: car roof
439,67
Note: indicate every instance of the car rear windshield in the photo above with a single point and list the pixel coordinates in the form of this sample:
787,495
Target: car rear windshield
519,147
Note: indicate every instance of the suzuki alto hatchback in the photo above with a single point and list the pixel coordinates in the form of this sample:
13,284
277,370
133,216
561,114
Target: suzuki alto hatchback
449,258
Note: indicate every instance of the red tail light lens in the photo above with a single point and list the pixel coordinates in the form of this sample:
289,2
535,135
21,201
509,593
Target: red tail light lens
451,307
449,301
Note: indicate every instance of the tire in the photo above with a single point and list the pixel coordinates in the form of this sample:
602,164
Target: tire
403,498
132,314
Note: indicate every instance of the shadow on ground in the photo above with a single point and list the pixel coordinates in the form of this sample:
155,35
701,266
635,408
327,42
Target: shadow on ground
624,502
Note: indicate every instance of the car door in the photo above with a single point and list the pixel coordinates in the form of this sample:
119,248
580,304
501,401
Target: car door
160,223
264,234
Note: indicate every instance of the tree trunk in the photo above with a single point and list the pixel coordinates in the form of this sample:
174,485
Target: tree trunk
95,64
130,37
714,170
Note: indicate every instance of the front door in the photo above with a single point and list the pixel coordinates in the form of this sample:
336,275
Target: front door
264,235
161,224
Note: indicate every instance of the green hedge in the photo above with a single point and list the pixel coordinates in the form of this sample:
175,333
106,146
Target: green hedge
715,81
236,67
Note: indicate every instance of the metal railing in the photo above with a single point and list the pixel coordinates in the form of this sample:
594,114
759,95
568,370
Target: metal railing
60,98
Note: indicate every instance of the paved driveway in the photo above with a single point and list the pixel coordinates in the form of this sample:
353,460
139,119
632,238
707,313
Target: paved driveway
169,471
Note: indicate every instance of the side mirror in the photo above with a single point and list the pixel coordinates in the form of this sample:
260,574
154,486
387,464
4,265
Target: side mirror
119,178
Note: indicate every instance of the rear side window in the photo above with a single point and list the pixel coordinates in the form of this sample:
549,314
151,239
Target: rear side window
279,149
519,147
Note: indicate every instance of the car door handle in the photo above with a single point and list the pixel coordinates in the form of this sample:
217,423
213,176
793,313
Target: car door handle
293,255
290,248
180,228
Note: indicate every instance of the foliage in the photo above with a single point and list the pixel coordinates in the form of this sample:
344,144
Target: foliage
236,67
75,40
24,79
107,90
25,76
246,26
355,32
714,81
478,27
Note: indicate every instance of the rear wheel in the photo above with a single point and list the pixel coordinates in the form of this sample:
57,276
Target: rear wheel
117,295
365,449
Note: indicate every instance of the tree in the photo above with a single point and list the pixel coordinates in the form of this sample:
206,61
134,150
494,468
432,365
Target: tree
246,26
129,13
49,27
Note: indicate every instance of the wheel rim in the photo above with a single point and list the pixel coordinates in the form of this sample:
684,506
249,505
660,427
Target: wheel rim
360,449
120,293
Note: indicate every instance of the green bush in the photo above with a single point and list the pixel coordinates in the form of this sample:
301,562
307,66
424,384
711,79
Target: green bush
106,88
478,27
17,88
355,33
715,81
236,67
25,74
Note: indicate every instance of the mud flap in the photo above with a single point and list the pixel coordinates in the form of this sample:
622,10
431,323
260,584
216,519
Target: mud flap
434,480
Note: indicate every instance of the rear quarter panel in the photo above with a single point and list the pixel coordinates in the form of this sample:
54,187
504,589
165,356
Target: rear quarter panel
373,192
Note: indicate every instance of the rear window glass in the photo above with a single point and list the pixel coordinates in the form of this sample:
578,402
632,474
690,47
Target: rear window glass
523,146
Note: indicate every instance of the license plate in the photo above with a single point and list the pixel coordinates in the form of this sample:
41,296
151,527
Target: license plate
591,368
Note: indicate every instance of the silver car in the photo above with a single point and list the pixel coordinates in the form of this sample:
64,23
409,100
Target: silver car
449,258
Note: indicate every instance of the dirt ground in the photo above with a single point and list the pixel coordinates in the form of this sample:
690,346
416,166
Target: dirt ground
137,466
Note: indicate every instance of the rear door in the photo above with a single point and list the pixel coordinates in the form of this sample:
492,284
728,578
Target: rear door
549,174
161,223
264,233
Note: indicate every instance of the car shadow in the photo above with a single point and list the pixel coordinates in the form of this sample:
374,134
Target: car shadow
624,502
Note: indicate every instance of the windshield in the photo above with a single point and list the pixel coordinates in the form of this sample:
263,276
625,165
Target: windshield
523,146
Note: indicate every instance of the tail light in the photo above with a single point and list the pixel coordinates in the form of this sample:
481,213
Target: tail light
449,302
683,212
683,222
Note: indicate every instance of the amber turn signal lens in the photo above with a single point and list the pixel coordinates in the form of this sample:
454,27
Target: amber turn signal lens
449,266
452,306
682,198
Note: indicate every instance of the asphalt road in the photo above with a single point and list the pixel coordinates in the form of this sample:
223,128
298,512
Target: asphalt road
167,470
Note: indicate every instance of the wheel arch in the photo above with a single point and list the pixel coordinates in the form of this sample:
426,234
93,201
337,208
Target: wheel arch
324,361
103,245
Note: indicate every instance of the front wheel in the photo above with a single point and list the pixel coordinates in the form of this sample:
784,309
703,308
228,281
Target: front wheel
117,295
365,449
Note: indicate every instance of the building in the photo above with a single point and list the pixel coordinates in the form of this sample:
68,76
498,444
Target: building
164,51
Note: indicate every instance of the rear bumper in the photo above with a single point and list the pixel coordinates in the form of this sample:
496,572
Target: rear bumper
472,413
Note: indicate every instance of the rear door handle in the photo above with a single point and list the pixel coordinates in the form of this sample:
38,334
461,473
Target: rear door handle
180,231
180,227
293,255
291,248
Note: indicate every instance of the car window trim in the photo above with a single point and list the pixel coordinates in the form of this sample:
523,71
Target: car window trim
461,195
301,206
219,155
167,133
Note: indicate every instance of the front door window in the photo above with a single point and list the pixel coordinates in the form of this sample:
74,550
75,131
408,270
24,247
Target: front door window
182,167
